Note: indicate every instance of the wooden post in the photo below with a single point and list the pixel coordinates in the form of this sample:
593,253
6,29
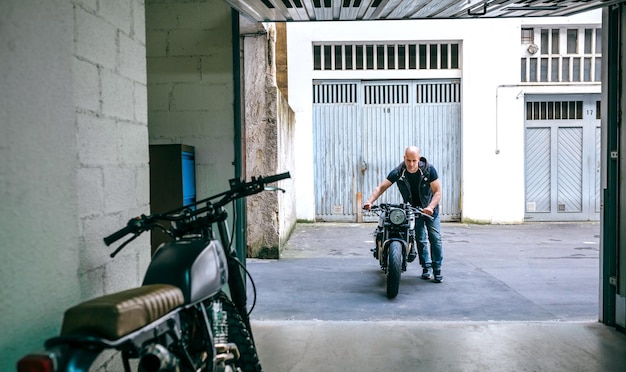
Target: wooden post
359,209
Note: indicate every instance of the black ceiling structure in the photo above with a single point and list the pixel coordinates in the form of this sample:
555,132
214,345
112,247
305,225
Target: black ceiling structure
363,10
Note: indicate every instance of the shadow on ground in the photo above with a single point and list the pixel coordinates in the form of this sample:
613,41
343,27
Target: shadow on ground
529,272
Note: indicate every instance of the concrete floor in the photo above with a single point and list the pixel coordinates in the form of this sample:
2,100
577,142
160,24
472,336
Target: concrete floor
514,298
438,346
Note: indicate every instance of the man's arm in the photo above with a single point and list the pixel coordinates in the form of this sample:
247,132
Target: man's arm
376,193
435,186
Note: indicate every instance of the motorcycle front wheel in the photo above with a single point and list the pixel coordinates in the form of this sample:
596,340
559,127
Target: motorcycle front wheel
394,269
238,334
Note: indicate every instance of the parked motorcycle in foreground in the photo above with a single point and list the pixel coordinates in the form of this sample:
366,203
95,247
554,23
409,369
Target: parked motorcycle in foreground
180,319
394,237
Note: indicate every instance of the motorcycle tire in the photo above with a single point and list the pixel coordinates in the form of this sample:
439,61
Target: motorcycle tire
238,334
394,269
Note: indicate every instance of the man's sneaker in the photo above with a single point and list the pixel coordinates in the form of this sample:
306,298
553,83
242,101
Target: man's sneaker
426,273
438,276
412,255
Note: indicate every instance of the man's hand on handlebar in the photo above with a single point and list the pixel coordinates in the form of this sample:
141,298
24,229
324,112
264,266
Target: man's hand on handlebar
367,206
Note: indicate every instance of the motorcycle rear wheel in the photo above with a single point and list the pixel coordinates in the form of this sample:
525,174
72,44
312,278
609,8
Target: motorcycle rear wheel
394,269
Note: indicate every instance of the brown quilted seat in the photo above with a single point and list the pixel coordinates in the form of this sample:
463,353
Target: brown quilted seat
115,315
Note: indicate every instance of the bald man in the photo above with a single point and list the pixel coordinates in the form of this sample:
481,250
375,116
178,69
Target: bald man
419,185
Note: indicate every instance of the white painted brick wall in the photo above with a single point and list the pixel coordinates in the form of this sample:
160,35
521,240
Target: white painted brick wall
90,186
190,42
86,85
191,97
159,98
132,59
139,21
174,70
123,268
156,44
187,123
117,96
95,39
134,145
201,17
76,98
191,100
163,16
87,4
118,13
92,281
93,151
215,65
141,102
110,80
122,180
91,236
142,182
38,209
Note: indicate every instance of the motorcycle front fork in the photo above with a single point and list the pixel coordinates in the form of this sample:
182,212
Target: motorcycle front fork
378,241
226,353
378,249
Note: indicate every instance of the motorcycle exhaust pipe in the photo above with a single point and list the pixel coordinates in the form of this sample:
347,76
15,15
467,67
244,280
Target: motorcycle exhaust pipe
156,358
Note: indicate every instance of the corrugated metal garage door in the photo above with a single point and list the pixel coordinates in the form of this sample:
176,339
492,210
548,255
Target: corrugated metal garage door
361,129
563,158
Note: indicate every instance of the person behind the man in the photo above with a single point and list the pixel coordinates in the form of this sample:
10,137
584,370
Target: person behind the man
419,185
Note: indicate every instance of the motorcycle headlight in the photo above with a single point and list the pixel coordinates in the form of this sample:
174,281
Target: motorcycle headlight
397,216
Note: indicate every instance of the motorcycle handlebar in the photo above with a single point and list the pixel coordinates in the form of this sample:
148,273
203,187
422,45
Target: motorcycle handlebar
390,205
419,210
237,190
132,226
276,177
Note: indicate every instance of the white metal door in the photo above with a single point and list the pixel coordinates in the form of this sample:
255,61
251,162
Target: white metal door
337,148
361,130
562,158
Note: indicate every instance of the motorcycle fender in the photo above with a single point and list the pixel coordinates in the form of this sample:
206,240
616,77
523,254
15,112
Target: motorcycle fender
388,242
197,267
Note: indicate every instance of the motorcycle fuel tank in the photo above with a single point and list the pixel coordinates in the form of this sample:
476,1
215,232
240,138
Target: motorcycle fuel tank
197,267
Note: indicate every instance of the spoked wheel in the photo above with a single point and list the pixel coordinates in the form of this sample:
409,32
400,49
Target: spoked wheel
238,334
394,269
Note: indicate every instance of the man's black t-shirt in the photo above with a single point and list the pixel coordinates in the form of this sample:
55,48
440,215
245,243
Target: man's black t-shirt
414,181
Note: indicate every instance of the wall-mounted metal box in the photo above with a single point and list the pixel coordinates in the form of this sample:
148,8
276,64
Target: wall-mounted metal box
172,181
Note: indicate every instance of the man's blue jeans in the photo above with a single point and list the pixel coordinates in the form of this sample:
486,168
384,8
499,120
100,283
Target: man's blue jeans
427,230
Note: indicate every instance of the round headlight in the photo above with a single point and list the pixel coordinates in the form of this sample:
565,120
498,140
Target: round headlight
397,216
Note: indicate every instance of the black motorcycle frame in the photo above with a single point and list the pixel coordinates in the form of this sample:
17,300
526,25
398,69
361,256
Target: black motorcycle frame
182,285
395,238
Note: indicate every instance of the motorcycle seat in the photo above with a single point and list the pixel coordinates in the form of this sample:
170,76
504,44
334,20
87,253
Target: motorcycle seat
116,315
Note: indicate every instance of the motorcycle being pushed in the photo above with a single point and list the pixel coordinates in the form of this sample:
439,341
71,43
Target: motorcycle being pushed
181,318
395,238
